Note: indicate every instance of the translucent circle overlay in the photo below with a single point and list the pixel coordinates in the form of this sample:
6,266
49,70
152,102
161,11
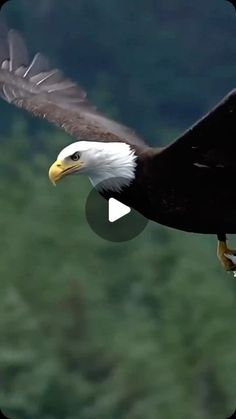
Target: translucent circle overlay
121,230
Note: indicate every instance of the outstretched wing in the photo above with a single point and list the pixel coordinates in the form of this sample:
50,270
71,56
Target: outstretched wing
211,142
45,92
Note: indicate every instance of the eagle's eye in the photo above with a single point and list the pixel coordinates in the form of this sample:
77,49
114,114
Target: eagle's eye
75,156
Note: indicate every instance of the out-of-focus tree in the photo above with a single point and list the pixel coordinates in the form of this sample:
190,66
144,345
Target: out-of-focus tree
92,329
154,63
95,330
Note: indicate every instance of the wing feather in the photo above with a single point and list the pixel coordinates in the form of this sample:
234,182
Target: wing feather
18,54
46,93
211,141
37,66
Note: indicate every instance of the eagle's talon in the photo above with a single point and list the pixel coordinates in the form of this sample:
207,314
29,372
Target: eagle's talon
227,257
231,256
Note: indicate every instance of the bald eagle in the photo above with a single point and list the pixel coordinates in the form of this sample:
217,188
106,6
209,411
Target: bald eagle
188,185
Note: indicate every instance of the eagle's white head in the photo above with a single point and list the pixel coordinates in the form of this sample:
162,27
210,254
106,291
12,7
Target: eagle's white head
109,166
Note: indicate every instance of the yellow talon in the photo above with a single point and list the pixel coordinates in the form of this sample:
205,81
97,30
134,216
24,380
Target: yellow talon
226,256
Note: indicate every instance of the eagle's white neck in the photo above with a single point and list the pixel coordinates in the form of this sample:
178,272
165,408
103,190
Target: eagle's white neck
115,167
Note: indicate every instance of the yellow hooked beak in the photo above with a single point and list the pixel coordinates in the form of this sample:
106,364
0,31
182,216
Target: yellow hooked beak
59,169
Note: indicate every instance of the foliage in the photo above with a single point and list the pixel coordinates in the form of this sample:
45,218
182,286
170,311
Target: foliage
94,330
91,329
155,63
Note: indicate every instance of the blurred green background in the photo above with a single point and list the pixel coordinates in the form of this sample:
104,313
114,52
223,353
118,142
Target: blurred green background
91,329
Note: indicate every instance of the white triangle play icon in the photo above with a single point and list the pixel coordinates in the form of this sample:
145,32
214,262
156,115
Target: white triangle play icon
116,210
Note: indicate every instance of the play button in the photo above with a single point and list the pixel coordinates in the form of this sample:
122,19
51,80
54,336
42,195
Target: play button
111,219
116,210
